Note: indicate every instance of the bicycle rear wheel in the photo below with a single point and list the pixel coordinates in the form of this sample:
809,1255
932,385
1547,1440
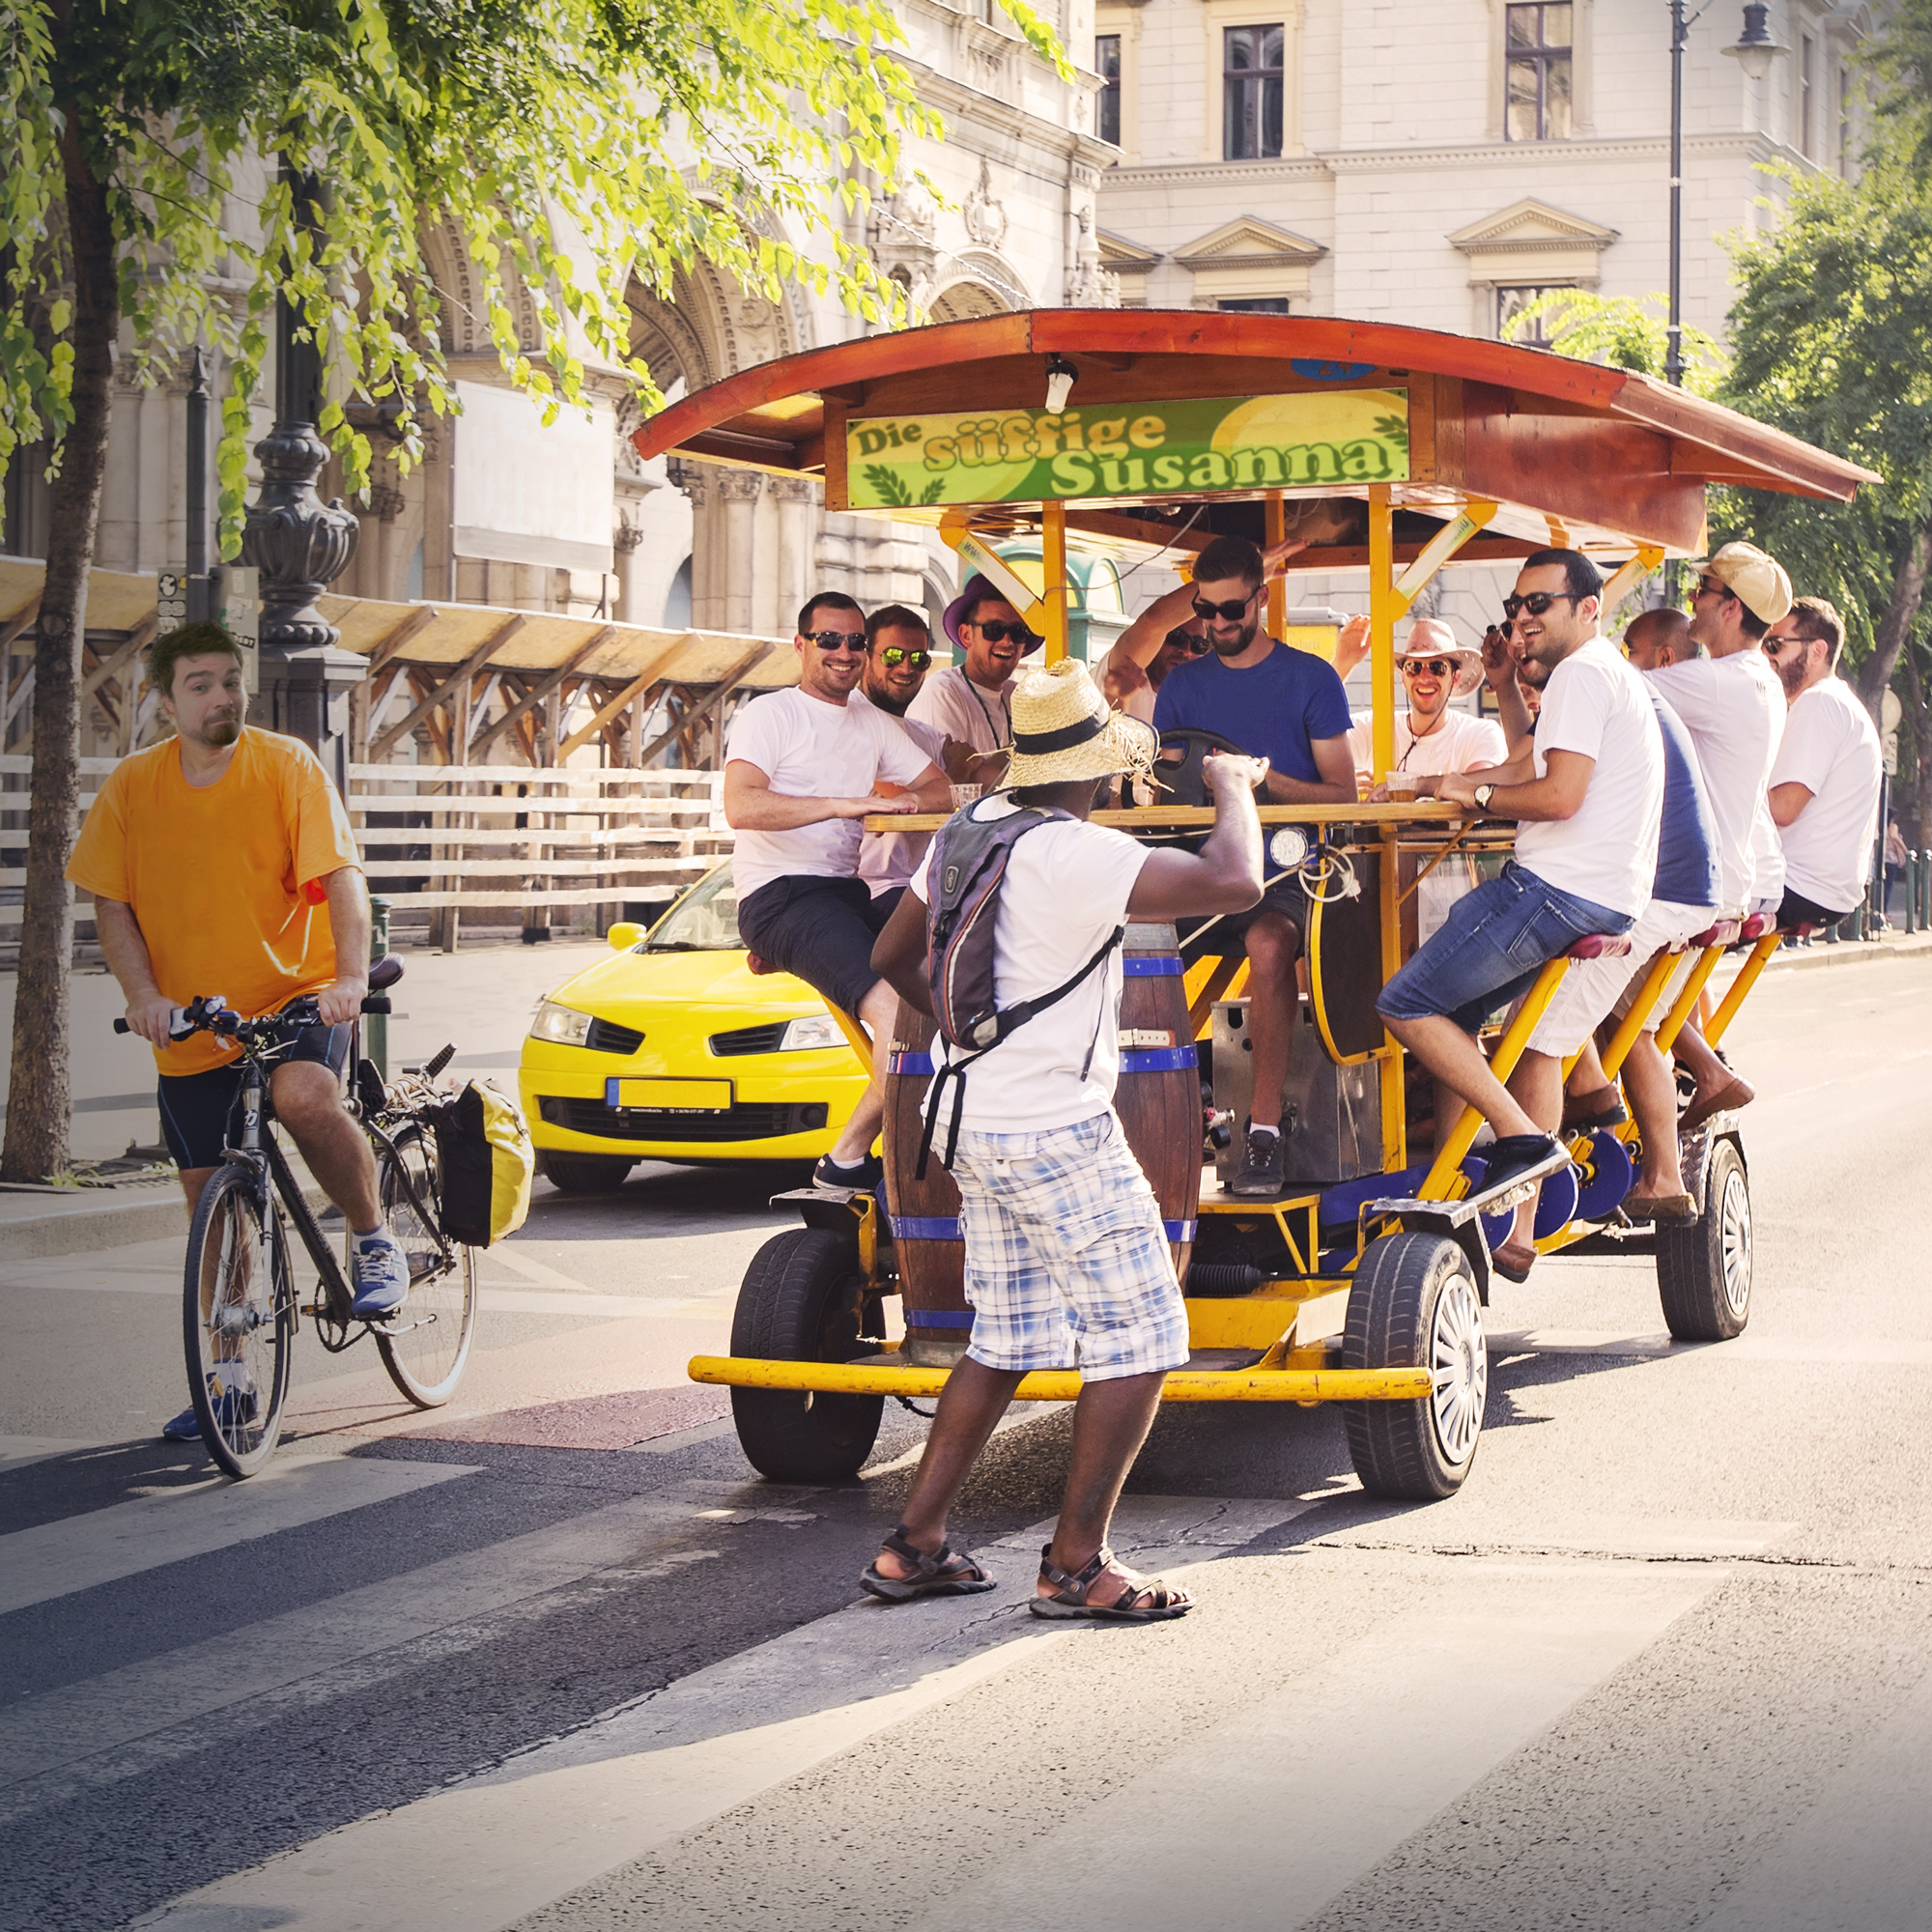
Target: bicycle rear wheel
426,1343
238,1319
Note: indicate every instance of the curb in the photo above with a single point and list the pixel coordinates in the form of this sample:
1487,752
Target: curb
83,1230
1798,959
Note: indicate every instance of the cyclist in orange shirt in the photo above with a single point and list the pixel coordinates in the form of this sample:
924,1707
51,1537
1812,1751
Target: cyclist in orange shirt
222,861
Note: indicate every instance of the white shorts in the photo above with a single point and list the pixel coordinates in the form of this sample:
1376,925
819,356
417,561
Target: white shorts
1591,987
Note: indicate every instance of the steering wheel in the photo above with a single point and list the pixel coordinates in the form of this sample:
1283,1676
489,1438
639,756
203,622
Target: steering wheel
1186,782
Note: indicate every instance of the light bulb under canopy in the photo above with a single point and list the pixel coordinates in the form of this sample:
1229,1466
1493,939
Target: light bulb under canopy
1061,377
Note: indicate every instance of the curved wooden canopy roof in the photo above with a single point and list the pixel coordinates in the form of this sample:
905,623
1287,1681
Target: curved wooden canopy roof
1564,440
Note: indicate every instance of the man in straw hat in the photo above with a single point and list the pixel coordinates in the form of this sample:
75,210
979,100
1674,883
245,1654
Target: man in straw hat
1432,736
1067,1259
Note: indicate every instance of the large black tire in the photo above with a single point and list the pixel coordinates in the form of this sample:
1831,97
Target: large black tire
585,1173
238,1303
1414,1305
1704,1267
800,1303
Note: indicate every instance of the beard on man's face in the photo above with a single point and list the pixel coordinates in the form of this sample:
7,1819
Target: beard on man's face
1232,647
222,730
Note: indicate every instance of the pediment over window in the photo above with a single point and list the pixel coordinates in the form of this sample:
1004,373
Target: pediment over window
1532,240
1122,257
1249,242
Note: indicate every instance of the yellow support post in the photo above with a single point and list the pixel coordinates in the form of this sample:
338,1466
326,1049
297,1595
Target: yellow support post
1053,557
856,1036
1439,549
1394,1087
1277,590
1632,1023
1746,978
1672,1023
1503,1063
1382,614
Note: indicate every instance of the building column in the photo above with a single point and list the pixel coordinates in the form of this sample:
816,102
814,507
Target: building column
740,491
797,501
627,541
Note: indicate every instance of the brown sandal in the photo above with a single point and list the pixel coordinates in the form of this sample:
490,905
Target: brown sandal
1147,1601
945,1572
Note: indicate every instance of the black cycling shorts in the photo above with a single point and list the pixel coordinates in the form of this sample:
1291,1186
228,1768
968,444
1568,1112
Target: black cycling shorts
821,930
195,1107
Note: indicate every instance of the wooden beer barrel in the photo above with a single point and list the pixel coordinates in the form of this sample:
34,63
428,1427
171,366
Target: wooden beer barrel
1159,1100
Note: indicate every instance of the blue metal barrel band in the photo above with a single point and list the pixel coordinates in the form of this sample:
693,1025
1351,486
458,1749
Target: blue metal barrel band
938,1318
1158,1058
1151,965
925,1227
920,1064
1179,1231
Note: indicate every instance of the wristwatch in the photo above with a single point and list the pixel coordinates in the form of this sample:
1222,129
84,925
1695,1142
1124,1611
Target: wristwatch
1482,797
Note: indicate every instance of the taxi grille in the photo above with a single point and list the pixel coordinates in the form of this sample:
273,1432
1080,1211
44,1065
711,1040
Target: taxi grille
750,1039
607,1036
747,1121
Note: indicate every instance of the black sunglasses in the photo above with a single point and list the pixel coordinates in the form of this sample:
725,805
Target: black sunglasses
1228,613
997,631
837,641
897,655
1774,646
1537,601
1434,667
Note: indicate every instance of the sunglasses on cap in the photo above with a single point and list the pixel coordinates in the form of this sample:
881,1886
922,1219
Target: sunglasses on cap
1431,666
837,641
1537,601
1228,613
898,654
997,630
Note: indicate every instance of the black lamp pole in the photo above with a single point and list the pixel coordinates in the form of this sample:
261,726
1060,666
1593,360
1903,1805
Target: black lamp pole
1673,354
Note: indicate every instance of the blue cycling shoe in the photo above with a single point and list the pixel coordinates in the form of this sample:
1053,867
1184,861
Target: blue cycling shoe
381,1272
233,1409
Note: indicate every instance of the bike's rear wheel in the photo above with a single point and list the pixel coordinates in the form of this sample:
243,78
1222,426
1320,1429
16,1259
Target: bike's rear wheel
239,1321
426,1343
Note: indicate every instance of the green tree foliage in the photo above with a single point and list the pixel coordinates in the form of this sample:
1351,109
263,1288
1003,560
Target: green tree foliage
150,152
1623,331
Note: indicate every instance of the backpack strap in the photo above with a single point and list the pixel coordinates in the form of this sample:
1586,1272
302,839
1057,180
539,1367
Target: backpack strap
1011,1019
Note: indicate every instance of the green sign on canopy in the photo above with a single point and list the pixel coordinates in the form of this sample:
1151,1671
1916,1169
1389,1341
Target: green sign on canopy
1333,437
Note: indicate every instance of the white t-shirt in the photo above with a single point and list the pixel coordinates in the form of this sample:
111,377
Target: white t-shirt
956,707
888,859
1595,704
1734,710
1066,889
1462,740
808,748
1831,747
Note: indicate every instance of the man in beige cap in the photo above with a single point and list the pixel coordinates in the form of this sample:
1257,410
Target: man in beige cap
1733,707
1067,1259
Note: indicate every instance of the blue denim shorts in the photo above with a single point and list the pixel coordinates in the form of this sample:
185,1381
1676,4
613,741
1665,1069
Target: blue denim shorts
1490,948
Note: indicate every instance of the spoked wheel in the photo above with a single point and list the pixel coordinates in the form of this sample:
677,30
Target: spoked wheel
799,1302
1414,1305
1704,1267
426,1343
237,1320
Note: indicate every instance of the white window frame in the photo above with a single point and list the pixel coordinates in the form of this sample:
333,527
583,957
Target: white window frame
1217,18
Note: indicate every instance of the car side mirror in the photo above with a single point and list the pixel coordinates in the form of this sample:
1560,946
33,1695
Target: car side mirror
624,935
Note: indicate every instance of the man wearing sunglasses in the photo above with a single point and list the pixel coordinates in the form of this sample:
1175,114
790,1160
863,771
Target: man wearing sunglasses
1288,707
802,767
1830,772
970,702
1587,792
899,655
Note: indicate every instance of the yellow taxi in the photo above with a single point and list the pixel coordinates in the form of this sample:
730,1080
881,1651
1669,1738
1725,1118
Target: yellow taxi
673,1050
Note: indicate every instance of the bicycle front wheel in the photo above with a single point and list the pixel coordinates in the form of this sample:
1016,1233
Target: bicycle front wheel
237,1322
426,1343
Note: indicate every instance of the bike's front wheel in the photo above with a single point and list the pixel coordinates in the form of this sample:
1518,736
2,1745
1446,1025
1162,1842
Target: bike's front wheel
237,1322
426,1343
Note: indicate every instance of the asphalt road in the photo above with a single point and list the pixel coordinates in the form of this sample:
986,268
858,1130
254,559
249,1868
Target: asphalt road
552,1659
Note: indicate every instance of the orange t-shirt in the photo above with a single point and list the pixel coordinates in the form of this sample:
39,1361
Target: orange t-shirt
217,875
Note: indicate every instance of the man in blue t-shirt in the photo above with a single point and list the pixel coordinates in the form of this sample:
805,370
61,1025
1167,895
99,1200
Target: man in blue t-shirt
1287,707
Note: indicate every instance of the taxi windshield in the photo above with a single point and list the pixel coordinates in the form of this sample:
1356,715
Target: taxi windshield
705,920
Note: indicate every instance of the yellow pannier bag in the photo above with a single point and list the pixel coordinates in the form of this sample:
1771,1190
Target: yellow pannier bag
484,1165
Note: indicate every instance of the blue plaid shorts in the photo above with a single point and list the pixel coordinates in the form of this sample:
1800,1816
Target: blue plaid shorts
1067,1259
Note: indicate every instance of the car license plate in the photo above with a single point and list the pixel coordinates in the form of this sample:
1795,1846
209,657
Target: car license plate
671,1096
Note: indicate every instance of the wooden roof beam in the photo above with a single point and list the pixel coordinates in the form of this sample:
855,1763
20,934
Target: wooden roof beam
461,675
543,688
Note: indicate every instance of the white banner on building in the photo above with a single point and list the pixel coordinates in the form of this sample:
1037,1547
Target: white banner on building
529,493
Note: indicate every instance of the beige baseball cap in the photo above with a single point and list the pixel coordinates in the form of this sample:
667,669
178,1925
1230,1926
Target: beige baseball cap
1757,580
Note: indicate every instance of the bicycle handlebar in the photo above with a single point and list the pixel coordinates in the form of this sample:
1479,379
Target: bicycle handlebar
209,1013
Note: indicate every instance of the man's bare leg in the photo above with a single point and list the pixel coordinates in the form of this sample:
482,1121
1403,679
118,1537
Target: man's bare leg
308,1102
970,1407
1718,1086
1537,1083
1273,1002
877,1010
1456,1061
1652,1088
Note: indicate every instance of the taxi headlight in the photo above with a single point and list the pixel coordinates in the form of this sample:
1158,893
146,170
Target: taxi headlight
564,1025
817,1030
1287,846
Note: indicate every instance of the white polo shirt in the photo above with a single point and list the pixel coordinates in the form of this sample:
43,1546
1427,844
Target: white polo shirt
1829,747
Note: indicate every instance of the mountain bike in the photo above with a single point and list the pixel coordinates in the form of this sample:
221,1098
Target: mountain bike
239,1311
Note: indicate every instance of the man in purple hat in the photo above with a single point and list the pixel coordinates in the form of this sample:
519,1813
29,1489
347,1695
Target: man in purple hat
969,703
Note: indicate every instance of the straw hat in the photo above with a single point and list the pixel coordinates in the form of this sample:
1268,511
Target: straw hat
1063,731
1757,581
1431,638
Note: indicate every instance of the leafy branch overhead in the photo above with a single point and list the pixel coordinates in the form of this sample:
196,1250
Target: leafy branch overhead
572,146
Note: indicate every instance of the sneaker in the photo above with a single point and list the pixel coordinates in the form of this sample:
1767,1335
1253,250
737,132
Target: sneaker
232,1409
1264,1164
862,1177
381,1272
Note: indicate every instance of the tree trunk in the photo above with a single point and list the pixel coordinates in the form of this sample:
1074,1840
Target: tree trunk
38,1110
1919,716
1901,613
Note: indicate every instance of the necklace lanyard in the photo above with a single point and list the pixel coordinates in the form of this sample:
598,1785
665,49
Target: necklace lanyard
991,726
